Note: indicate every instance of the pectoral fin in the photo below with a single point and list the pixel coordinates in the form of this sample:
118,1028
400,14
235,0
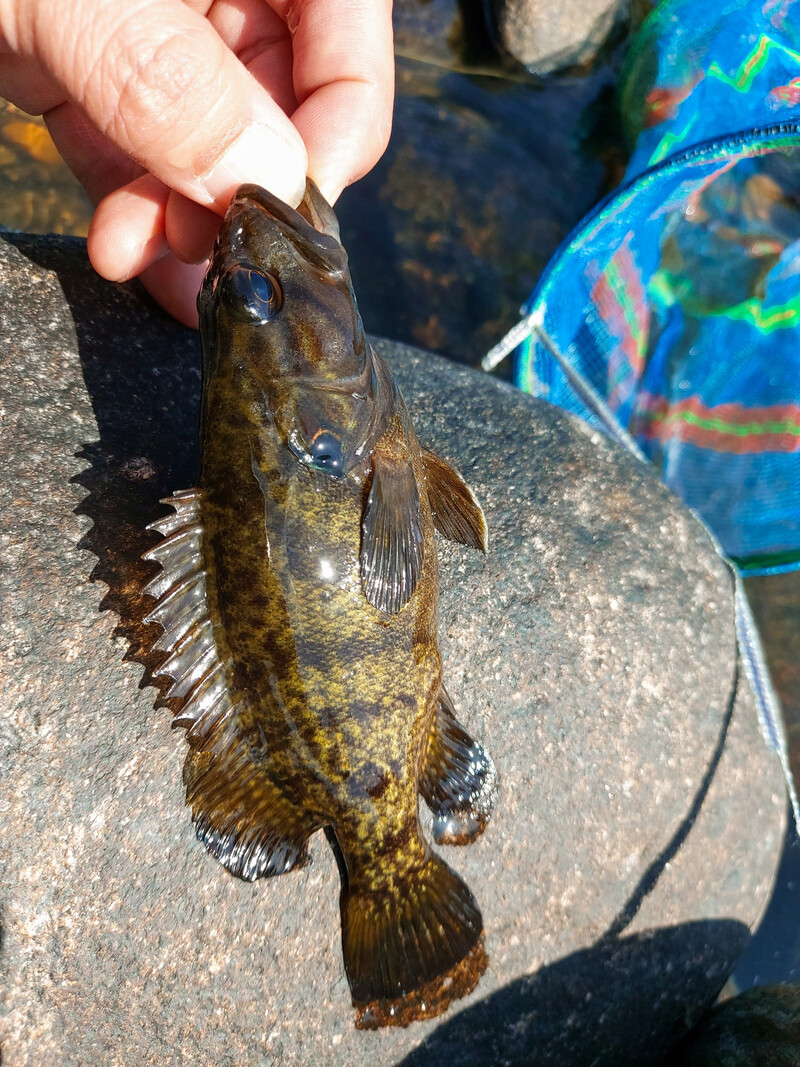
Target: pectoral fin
457,515
391,535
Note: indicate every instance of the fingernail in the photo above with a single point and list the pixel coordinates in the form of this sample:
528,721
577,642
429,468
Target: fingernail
257,155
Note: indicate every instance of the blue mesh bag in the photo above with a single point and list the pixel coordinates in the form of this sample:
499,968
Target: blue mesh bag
678,299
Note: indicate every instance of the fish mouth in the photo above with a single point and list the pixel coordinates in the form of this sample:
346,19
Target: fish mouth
256,196
324,251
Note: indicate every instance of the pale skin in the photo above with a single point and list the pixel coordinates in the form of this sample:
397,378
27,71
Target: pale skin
161,108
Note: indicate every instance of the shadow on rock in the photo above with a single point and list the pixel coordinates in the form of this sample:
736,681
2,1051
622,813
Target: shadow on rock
144,385
647,882
595,1006
604,1005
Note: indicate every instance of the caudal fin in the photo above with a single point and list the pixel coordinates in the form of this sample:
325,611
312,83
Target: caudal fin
412,950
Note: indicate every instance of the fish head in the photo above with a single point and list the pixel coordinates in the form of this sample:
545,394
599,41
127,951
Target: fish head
278,313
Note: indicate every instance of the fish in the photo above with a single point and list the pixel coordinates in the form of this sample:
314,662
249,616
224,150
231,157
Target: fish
298,601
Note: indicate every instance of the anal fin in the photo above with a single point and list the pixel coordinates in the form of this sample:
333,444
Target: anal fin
458,779
457,515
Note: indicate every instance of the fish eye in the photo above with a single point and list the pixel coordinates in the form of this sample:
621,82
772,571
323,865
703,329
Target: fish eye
326,453
250,295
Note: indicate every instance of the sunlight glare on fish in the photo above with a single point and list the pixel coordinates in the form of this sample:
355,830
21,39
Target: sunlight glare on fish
326,571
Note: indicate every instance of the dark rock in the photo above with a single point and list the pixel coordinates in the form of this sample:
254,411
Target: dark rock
761,1026
640,817
428,30
456,34
547,37
481,182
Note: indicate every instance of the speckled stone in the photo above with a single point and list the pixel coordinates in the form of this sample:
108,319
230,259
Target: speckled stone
639,820
546,37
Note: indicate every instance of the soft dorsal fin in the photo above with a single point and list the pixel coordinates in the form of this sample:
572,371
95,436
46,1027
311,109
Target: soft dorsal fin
457,515
391,534
242,817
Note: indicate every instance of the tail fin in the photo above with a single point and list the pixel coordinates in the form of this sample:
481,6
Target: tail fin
409,951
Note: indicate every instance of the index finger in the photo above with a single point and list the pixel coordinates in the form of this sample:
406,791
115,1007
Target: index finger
344,81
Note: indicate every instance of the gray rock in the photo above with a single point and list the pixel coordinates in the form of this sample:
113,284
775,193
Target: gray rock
640,817
546,37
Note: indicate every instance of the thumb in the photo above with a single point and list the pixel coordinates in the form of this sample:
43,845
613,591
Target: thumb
159,82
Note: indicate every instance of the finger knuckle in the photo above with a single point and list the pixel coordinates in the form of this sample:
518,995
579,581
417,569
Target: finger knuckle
167,82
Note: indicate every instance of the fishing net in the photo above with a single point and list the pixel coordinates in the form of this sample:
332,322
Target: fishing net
677,301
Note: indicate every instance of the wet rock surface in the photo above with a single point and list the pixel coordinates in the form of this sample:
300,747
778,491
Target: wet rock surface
639,821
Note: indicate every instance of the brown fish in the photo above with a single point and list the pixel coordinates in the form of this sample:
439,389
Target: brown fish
298,598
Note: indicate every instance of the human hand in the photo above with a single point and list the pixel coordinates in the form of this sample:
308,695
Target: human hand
161,108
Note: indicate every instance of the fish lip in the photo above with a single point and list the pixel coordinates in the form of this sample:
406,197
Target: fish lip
320,249
254,196
263,198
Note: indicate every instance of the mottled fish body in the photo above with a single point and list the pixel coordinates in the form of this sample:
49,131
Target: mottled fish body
298,596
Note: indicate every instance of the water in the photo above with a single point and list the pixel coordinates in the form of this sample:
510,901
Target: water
773,955
38,194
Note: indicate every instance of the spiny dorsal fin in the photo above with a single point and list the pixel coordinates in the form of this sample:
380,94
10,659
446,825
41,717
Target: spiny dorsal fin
391,534
181,610
457,515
